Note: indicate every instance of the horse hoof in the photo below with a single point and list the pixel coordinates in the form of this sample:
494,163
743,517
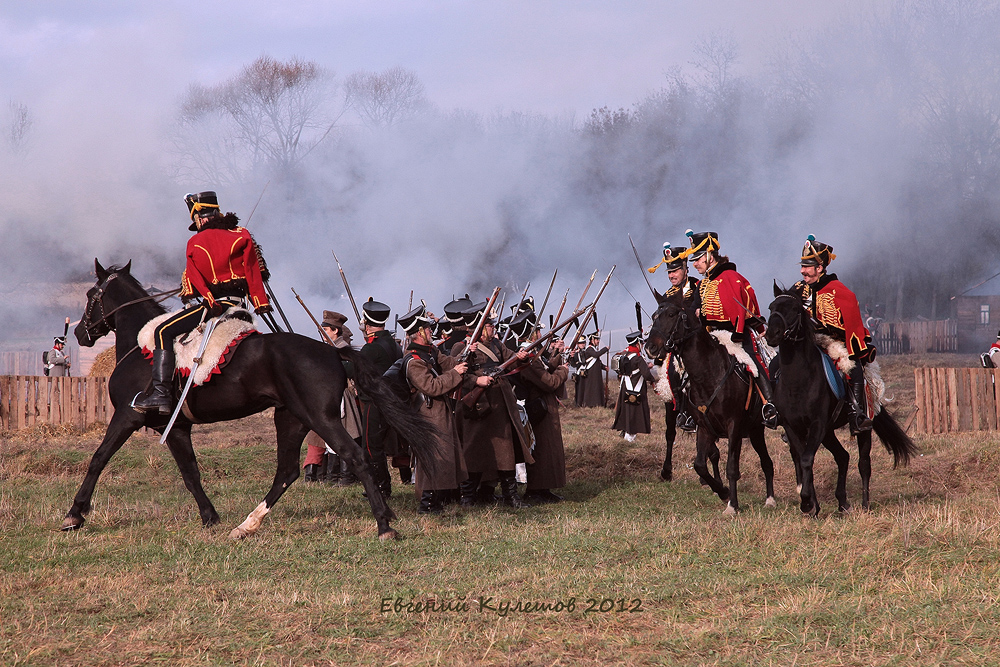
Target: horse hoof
239,533
666,477
770,502
729,511
388,535
70,524
846,509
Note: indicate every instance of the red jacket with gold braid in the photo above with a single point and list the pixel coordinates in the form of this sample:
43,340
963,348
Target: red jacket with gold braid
836,311
223,262
726,296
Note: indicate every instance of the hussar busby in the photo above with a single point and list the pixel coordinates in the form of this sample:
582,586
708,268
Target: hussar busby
375,312
701,243
633,337
413,320
453,309
815,253
674,258
201,203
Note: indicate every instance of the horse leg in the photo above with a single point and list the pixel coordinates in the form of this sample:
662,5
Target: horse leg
667,472
707,450
123,424
865,465
733,469
290,434
766,463
179,443
843,460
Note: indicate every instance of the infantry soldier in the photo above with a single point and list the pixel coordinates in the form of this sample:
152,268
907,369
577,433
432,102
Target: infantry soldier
224,266
836,312
493,438
56,360
542,380
455,331
589,376
382,350
434,377
632,410
727,301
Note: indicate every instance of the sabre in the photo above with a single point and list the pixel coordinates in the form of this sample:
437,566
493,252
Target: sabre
642,268
274,300
633,296
209,328
350,296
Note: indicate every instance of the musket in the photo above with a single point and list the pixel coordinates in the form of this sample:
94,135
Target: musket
590,311
585,290
638,316
409,306
558,315
641,267
478,331
322,331
523,294
274,300
473,396
538,315
66,328
350,296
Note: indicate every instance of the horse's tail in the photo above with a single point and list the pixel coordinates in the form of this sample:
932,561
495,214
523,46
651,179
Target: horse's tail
419,433
894,438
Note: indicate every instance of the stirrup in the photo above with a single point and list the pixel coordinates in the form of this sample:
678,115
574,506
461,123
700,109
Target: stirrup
770,415
860,423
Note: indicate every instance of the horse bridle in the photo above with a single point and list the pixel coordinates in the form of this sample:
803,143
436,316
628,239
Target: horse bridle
789,332
670,340
98,297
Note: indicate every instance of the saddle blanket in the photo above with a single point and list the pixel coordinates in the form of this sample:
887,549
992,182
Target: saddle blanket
736,350
232,328
874,385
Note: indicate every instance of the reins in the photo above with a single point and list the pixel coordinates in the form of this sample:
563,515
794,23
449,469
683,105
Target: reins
99,299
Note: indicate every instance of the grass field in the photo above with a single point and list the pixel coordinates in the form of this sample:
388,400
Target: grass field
628,570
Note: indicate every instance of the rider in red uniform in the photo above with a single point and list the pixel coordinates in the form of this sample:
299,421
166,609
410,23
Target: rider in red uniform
836,313
728,302
224,266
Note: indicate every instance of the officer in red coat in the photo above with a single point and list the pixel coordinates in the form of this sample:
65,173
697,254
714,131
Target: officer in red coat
728,302
224,267
836,313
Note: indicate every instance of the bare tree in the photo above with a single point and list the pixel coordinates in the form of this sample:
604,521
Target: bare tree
718,55
19,128
385,98
270,115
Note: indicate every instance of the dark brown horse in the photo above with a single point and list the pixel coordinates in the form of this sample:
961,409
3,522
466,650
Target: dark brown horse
718,394
302,379
810,412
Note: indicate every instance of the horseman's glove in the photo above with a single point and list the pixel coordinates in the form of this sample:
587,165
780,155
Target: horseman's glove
217,309
261,310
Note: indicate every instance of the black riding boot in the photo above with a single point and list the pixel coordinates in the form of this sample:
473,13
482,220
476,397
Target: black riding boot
430,503
347,477
312,472
858,401
159,396
331,468
468,488
685,421
769,411
508,487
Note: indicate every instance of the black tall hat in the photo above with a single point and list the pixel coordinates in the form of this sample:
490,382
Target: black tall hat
453,309
633,337
199,203
674,258
442,328
701,243
59,339
414,319
470,316
375,312
527,304
815,253
522,323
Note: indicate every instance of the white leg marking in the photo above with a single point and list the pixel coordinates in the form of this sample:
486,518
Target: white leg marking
730,510
770,502
251,524
798,489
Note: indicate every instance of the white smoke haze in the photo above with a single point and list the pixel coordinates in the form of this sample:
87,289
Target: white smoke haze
877,132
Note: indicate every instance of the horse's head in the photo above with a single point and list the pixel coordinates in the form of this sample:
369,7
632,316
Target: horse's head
673,322
98,316
789,320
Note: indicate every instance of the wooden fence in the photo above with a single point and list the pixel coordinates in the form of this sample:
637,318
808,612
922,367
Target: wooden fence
956,399
917,337
27,400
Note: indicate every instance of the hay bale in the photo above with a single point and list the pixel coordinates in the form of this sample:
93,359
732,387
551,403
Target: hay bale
104,363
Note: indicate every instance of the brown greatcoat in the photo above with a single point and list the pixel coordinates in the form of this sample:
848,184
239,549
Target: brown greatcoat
434,382
494,440
633,417
549,469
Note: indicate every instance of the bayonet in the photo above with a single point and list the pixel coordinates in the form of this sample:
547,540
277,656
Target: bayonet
350,296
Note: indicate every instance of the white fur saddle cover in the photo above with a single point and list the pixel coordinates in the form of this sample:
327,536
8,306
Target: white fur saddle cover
229,331
736,350
873,374
662,386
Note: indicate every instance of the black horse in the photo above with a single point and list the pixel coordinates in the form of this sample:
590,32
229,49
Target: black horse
302,379
718,394
810,412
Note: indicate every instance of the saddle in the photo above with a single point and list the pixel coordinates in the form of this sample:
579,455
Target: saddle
230,329
835,354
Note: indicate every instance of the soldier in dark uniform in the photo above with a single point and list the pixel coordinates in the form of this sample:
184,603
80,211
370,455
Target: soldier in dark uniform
632,410
382,350
836,313
456,320
542,379
493,438
224,266
56,360
591,392
727,301
677,410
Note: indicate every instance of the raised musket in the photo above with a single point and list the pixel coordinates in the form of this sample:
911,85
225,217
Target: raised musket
350,296
538,315
322,331
590,311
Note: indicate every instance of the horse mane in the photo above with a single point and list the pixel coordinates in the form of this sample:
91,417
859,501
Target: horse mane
808,328
133,285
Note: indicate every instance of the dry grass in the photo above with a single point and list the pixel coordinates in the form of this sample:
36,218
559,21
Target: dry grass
913,581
